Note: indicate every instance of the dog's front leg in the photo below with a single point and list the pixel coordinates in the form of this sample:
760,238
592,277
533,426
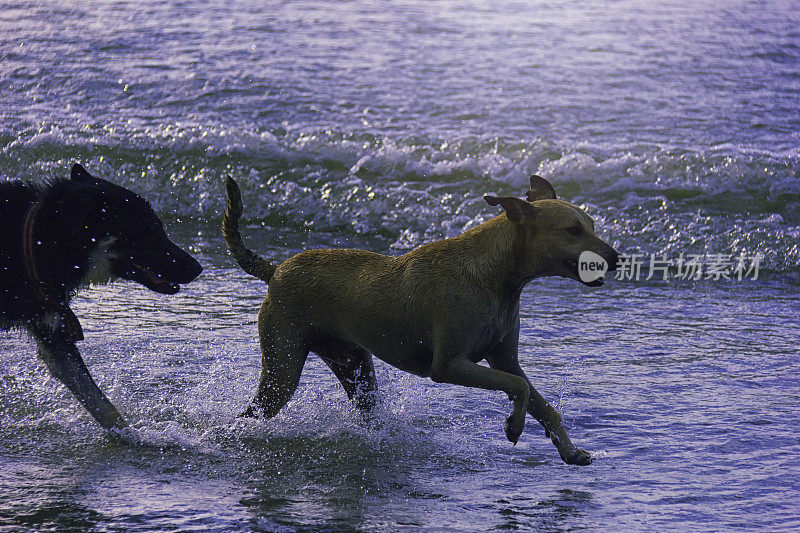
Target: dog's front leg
462,371
504,358
65,364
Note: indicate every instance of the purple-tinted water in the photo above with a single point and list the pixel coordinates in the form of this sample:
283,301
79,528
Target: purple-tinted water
381,126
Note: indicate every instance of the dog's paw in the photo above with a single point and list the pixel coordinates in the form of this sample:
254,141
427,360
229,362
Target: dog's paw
251,412
577,456
126,435
514,427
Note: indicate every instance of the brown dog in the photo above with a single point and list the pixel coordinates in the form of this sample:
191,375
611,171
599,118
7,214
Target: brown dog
436,311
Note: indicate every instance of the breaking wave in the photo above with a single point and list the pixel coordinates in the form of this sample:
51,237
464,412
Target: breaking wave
410,190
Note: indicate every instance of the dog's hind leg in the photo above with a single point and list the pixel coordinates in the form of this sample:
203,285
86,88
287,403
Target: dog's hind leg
355,371
65,364
283,355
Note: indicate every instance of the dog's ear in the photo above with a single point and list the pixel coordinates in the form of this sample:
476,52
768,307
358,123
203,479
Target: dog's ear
541,189
80,174
517,211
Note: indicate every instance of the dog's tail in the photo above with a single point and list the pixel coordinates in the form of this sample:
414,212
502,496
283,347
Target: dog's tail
249,261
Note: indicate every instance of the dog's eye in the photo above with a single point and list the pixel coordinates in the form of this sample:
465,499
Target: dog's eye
575,230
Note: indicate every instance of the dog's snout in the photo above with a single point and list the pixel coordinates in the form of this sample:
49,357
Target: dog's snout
189,268
184,268
613,259
195,268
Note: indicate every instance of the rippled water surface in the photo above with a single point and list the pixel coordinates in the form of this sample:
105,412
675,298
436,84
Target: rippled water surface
381,125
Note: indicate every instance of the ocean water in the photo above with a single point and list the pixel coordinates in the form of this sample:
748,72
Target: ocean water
381,125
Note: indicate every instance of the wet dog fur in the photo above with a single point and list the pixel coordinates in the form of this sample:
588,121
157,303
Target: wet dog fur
436,311
65,234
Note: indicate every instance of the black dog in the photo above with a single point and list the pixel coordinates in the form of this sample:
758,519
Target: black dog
65,234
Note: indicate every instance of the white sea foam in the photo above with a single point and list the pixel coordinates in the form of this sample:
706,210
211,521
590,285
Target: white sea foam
413,190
